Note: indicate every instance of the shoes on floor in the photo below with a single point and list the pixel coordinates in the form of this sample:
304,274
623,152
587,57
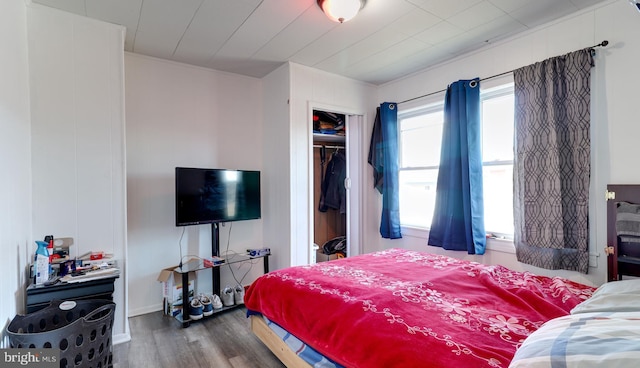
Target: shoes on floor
227,296
215,300
207,305
238,294
196,309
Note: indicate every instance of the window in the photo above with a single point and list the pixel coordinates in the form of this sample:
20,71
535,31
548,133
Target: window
420,145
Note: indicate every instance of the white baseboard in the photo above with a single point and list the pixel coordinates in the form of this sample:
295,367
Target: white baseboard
121,338
144,310
501,245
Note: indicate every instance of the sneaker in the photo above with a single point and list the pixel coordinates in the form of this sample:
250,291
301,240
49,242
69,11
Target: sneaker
207,306
227,296
215,300
195,309
238,294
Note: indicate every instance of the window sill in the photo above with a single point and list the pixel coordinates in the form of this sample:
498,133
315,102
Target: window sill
493,244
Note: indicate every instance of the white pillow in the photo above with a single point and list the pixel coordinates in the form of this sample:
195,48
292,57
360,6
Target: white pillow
586,340
615,296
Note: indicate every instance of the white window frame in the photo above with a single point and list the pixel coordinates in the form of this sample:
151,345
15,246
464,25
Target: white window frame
490,93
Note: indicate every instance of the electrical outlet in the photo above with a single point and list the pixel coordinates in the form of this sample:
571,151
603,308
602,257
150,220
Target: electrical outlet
593,260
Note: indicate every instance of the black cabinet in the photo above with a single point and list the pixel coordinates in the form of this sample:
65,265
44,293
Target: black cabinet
39,296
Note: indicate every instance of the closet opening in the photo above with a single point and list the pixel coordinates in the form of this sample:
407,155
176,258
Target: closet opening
329,191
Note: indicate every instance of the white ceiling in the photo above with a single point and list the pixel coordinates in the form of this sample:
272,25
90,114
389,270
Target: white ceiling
387,40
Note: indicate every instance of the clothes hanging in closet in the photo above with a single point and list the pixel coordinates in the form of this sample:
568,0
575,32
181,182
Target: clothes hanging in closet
333,193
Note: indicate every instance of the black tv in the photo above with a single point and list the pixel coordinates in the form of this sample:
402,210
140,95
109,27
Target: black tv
206,196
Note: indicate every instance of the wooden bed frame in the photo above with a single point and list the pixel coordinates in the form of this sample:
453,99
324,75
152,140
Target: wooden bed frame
287,356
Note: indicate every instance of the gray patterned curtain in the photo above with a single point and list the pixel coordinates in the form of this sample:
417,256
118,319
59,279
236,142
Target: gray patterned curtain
552,162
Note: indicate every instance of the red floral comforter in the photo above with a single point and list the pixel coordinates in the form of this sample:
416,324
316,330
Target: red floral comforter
399,308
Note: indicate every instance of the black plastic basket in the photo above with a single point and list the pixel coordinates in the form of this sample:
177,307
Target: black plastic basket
82,331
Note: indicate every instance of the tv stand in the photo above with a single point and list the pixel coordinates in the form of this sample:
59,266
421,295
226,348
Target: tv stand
195,265
215,251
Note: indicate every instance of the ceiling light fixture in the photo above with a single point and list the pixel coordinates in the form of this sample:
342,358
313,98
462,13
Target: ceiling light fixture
340,10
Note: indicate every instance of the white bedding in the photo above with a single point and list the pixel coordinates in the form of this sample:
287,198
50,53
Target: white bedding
583,340
603,331
617,296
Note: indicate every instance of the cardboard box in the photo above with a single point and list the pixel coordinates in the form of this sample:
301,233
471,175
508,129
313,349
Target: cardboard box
172,290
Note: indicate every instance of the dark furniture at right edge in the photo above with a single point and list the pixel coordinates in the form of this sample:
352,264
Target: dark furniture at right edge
623,257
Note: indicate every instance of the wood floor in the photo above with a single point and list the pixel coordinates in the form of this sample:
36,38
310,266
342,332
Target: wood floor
221,341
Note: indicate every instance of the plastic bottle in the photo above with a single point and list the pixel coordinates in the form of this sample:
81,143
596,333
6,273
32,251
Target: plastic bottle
50,249
41,269
49,240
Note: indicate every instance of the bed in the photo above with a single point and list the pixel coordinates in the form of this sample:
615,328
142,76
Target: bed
401,308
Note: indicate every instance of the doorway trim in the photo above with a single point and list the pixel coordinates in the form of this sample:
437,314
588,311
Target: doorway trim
354,148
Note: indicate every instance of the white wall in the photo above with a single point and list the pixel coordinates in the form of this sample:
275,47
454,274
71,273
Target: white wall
614,110
311,87
77,133
276,162
290,92
180,115
15,160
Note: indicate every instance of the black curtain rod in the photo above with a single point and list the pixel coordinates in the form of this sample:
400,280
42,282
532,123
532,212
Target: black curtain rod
601,44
